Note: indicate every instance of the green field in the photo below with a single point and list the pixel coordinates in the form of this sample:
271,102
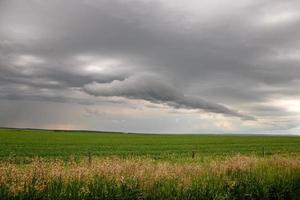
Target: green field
82,165
44,143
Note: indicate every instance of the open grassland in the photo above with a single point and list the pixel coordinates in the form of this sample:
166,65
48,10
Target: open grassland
50,165
31,143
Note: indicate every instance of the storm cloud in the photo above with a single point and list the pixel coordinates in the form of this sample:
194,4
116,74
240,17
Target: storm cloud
154,89
232,61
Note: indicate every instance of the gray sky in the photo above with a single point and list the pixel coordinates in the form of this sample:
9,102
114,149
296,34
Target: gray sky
151,65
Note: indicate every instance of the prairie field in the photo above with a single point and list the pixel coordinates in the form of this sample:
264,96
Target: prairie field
45,164
48,143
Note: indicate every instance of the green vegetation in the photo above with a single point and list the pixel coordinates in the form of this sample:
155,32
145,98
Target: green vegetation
237,177
50,165
44,143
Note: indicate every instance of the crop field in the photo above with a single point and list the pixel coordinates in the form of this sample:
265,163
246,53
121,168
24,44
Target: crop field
45,164
43,143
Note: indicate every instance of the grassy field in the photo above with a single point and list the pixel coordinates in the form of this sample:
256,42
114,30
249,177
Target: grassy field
30,143
50,165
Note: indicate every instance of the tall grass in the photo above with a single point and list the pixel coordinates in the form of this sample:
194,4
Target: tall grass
238,177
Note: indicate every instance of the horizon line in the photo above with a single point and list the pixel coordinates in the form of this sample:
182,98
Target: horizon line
154,133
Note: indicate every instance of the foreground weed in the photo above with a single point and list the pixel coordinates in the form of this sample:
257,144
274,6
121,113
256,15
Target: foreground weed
236,177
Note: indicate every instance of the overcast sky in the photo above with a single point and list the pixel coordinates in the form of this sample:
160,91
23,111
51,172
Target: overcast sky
209,66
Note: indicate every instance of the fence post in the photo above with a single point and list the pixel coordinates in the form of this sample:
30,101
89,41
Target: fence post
193,154
263,151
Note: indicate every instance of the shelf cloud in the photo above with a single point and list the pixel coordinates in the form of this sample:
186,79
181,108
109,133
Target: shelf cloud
154,89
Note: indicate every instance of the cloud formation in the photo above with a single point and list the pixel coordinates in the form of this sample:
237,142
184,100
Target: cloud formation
154,89
236,58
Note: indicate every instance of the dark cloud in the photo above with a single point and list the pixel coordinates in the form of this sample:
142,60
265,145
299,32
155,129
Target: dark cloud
156,90
219,57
